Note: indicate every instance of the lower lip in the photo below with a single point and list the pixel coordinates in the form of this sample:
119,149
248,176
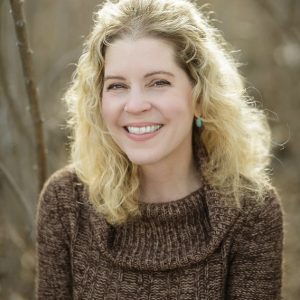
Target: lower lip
142,137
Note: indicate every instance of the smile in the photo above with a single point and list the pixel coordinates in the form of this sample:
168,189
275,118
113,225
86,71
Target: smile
143,130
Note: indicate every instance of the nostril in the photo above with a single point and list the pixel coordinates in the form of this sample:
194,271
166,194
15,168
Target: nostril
137,106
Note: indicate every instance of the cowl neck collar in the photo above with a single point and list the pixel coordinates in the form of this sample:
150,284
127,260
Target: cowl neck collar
167,235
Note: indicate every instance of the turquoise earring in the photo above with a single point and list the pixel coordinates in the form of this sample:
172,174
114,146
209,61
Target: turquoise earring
199,122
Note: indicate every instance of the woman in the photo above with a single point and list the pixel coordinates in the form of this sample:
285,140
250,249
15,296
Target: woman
167,195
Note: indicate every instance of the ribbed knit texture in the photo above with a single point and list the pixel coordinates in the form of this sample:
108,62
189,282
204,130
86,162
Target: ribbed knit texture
197,247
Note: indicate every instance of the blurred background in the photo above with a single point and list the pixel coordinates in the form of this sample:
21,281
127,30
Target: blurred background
266,35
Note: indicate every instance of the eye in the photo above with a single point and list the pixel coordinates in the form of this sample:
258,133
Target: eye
161,83
115,86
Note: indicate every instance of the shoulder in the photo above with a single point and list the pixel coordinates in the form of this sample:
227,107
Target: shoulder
60,196
268,204
62,183
260,217
61,178
251,203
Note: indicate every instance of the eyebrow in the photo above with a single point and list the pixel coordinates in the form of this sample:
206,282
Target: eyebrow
146,75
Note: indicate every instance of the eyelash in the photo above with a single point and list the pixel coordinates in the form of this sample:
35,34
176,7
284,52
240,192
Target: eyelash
111,87
164,82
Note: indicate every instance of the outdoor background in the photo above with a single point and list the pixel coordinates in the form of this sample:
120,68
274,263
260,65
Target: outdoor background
266,34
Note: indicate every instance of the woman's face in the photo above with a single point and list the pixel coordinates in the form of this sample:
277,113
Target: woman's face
147,101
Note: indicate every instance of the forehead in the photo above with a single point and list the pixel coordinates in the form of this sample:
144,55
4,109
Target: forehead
144,53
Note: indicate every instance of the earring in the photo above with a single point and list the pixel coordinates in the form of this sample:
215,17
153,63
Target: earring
199,122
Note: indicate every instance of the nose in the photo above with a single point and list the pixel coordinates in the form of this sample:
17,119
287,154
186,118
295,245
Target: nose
136,102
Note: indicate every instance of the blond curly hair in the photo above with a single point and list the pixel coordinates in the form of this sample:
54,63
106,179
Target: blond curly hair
236,135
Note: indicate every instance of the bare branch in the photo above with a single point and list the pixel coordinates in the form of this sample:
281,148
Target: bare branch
26,59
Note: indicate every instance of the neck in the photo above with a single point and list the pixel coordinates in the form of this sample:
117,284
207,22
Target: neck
169,181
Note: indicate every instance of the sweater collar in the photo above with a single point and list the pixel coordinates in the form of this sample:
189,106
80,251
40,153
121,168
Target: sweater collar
167,235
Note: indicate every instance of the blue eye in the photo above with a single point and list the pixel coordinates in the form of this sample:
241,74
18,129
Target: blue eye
161,83
115,86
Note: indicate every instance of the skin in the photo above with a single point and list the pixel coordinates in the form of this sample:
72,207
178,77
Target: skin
131,97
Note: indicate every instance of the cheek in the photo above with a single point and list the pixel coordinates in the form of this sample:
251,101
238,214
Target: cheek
109,110
105,112
178,107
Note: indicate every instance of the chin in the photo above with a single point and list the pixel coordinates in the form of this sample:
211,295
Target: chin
143,160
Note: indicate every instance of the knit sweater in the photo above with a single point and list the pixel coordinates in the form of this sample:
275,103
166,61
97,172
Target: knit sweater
168,253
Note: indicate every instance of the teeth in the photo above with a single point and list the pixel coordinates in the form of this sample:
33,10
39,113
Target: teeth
143,130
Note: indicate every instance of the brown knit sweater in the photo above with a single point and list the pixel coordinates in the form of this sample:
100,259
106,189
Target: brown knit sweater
169,253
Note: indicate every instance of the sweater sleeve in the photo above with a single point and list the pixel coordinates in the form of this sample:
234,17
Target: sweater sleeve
255,268
53,279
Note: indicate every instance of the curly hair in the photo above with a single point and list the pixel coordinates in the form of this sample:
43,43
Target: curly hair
236,135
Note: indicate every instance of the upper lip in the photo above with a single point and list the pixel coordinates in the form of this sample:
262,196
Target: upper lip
142,124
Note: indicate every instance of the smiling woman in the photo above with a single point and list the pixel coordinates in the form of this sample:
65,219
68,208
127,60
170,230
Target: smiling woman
155,109
167,194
